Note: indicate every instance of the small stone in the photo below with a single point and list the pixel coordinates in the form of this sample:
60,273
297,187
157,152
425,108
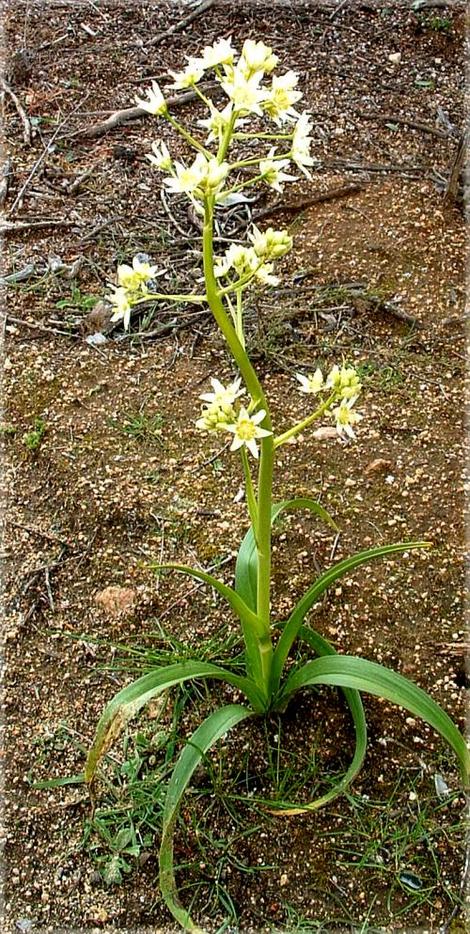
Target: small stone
284,879
115,600
379,465
97,320
395,58
322,434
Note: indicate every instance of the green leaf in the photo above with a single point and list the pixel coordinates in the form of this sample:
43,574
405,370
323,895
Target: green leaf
346,671
127,702
201,741
251,628
314,593
246,568
353,699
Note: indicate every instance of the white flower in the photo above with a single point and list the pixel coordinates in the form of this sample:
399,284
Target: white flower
122,307
220,53
245,93
203,175
156,102
345,418
256,56
312,383
263,274
241,258
281,97
246,430
223,395
190,76
272,171
216,173
217,122
271,244
300,151
160,158
133,277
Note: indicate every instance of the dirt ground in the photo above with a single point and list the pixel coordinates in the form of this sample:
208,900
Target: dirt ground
105,471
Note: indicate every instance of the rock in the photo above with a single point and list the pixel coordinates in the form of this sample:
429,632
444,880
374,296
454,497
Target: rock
322,434
115,600
379,465
98,319
395,58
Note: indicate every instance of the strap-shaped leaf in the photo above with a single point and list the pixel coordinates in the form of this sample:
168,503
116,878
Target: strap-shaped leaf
251,628
127,702
353,699
322,583
346,671
201,741
246,568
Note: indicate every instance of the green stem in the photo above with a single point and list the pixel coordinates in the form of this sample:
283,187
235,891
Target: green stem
239,318
264,646
195,299
281,439
250,493
187,136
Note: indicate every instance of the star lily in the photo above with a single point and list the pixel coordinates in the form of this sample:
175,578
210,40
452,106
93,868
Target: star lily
312,383
160,157
220,53
246,431
120,300
272,172
300,151
281,97
345,418
156,103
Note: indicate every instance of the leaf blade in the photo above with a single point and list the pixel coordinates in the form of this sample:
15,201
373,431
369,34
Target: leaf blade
372,678
130,699
206,735
322,583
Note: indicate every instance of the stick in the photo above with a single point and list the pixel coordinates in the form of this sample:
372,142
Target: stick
295,207
45,153
27,131
414,124
7,227
202,8
49,536
128,114
40,327
5,182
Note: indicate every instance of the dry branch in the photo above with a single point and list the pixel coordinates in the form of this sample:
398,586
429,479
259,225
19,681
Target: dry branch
27,131
120,117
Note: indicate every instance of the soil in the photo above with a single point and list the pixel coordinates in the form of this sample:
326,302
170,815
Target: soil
106,472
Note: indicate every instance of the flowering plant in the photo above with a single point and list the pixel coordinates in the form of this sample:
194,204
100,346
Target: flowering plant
241,410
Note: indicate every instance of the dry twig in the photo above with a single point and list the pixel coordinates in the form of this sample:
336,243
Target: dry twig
27,130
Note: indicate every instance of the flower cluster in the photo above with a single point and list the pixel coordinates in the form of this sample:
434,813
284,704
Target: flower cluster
132,286
343,385
255,261
223,412
241,77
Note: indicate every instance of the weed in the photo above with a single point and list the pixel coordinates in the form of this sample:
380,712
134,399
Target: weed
6,430
142,427
78,300
32,439
435,23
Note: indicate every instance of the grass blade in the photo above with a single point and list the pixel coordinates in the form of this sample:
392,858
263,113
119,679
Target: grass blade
346,671
201,741
127,702
314,593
